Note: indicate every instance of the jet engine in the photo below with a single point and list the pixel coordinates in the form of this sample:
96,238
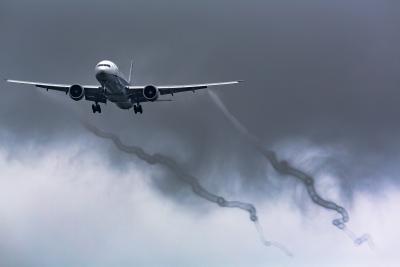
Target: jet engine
150,92
76,92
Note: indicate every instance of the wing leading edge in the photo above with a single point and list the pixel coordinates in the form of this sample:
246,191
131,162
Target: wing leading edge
51,86
92,92
172,89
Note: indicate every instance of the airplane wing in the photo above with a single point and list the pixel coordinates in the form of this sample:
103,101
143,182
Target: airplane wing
51,86
172,89
92,92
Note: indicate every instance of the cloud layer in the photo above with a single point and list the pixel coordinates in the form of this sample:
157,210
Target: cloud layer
73,210
321,90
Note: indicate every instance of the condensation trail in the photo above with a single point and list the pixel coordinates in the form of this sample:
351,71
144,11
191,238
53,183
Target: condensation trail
284,168
187,178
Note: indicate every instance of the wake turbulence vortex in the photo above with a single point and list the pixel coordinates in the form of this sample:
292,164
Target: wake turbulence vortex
284,168
199,190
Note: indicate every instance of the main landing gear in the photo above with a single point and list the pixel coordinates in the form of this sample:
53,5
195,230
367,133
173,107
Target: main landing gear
96,108
138,108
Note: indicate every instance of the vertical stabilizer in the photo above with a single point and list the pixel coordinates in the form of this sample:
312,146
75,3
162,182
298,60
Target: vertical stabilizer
130,73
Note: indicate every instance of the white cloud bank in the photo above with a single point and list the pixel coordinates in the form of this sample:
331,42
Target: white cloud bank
65,206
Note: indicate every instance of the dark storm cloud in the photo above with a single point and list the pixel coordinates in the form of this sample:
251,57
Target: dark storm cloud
326,71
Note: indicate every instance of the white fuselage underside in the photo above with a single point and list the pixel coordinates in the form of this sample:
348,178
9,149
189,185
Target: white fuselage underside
108,75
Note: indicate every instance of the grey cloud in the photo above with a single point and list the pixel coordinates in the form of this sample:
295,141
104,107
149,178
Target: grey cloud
319,70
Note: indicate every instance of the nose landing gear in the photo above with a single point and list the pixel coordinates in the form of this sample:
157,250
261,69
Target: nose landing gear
96,108
138,108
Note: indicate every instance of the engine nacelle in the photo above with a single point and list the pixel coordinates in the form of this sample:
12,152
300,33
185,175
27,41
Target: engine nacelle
150,92
76,92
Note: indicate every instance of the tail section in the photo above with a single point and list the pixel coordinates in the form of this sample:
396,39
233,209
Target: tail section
130,72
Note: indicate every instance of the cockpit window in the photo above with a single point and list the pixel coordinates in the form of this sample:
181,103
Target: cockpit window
104,65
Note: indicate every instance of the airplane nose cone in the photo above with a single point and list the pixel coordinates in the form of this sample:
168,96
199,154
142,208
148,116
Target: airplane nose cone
105,67
101,73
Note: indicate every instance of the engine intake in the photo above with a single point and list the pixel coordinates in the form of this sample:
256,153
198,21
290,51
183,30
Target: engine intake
76,92
150,92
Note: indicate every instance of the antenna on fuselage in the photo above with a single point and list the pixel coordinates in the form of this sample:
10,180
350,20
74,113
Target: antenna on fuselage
130,72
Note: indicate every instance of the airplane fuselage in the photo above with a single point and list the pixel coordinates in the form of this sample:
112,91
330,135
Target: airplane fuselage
114,84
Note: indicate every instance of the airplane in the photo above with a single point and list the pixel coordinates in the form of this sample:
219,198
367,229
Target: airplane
116,89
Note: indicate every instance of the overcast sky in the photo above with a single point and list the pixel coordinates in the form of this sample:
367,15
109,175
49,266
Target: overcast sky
322,88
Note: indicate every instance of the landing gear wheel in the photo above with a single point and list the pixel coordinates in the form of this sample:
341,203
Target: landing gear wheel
138,109
96,108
